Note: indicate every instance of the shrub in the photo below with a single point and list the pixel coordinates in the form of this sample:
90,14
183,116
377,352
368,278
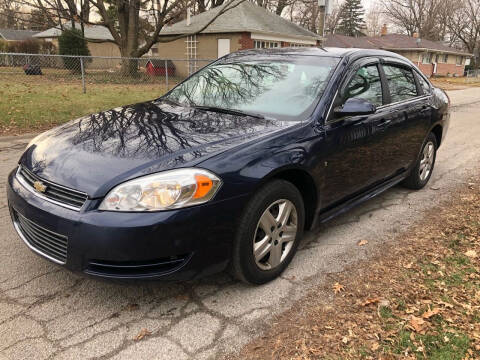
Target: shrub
71,42
27,46
3,46
48,47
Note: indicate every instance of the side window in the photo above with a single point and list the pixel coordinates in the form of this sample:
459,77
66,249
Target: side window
365,84
423,84
401,83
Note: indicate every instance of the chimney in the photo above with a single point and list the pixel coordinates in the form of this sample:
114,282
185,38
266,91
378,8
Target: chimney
188,17
384,30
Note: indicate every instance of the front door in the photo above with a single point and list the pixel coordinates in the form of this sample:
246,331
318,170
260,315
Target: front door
353,144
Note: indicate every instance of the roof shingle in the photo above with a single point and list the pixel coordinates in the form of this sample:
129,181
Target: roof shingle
92,32
244,17
389,42
16,35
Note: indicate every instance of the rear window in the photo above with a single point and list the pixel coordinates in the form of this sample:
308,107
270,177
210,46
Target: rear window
401,83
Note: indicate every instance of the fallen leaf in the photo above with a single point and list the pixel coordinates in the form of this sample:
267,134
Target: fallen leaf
417,324
144,332
345,340
408,266
430,312
362,242
370,301
447,305
434,188
471,254
375,346
338,288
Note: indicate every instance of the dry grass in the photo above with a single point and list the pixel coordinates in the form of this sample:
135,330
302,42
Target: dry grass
420,300
33,106
446,83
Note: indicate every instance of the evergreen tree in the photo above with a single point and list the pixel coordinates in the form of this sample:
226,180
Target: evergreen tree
351,22
71,42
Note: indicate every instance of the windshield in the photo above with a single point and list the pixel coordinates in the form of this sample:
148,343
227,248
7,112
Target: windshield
284,88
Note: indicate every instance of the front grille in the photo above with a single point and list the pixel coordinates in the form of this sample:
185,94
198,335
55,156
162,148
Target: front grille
45,242
64,196
133,269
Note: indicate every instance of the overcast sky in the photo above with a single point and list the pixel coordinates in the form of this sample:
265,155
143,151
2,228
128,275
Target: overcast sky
367,3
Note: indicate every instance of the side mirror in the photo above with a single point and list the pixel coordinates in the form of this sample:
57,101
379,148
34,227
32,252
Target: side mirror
355,106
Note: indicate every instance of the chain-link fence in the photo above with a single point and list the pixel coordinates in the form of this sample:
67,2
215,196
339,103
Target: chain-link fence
90,70
473,73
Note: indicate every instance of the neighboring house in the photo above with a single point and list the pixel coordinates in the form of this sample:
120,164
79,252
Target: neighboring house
432,58
98,38
245,26
16,35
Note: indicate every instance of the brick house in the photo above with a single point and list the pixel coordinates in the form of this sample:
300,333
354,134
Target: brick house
432,58
245,26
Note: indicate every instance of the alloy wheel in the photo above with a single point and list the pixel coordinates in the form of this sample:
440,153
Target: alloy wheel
426,163
275,234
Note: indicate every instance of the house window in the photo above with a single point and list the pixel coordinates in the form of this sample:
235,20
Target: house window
299,45
459,60
427,58
154,51
260,44
442,58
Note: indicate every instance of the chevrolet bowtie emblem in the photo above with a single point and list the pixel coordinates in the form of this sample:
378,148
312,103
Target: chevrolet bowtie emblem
39,186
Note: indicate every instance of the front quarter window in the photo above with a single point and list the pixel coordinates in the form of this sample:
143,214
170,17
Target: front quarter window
284,87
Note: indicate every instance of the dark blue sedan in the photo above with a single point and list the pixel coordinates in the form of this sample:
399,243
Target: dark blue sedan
230,167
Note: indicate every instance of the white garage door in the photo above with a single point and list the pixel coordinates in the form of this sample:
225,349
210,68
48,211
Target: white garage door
223,47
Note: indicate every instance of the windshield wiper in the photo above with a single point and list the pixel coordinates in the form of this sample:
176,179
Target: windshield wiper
167,99
229,111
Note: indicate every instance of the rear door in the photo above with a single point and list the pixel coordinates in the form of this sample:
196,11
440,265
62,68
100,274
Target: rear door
410,111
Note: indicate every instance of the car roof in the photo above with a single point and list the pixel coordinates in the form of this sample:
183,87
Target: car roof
317,51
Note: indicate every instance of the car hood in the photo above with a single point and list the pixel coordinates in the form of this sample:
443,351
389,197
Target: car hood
96,152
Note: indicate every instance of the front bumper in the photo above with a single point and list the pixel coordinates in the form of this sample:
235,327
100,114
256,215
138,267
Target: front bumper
175,245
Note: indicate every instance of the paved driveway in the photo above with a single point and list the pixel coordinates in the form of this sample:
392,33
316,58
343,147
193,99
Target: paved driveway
45,311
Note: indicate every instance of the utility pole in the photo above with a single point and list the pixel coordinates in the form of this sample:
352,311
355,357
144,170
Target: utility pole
324,9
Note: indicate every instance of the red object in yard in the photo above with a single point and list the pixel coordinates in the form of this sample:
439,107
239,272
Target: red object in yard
157,67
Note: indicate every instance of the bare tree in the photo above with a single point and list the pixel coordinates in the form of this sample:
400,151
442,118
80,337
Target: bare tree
374,20
10,15
332,20
425,17
464,24
135,25
306,13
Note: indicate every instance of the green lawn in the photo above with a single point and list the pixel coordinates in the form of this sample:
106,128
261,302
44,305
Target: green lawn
37,105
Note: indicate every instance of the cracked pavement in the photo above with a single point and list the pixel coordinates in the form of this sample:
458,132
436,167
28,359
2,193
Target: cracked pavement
48,312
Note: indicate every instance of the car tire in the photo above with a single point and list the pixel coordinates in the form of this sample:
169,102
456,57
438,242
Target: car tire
269,206
421,173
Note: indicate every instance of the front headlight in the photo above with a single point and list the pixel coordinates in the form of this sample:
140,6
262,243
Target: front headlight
163,191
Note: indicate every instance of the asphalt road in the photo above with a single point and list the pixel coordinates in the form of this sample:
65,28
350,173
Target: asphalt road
48,312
